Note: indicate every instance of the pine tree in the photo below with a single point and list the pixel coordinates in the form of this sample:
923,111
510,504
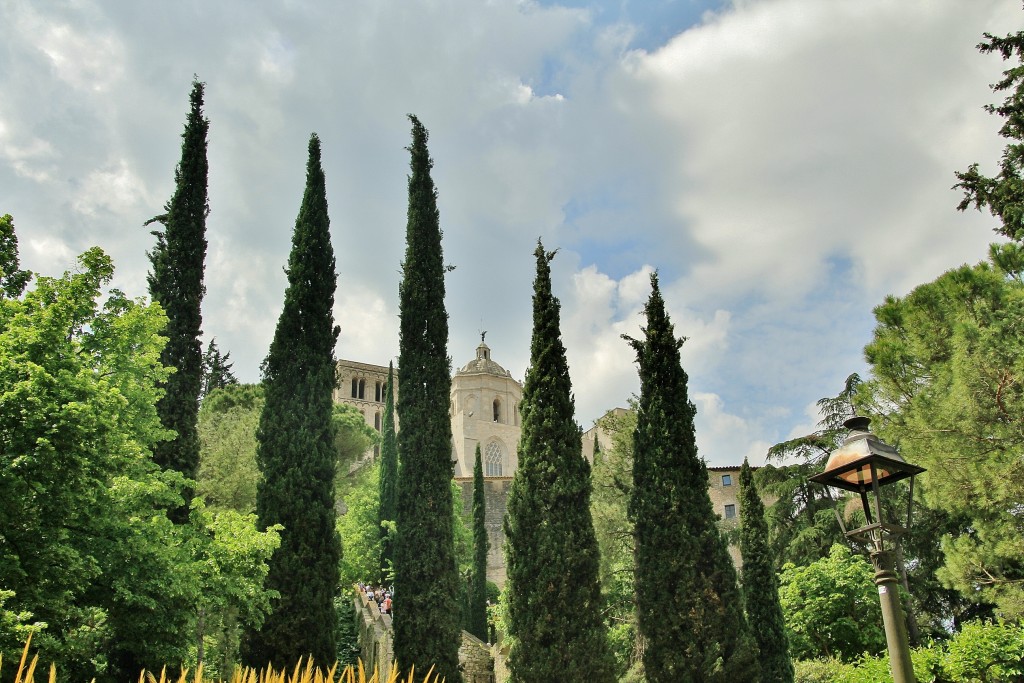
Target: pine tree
296,446
426,576
216,369
388,478
551,549
12,280
761,585
176,282
478,592
689,607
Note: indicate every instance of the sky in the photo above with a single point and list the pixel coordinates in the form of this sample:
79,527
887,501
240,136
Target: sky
783,164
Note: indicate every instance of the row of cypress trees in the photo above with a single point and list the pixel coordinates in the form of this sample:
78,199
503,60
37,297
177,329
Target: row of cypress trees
690,608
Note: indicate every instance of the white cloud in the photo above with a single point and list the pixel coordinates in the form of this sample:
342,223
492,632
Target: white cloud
114,189
783,164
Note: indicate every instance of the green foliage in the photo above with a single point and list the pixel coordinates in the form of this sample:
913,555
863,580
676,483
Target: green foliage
12,280
831,607
359,528
692,617
347,633
983,652
176,283
388,510
296,451
426,576
1003,194
989,653
229,563
352,438
802,525
228,420
80,499
761,585
817,670
216,370
946,360
478,592
554,609
612,480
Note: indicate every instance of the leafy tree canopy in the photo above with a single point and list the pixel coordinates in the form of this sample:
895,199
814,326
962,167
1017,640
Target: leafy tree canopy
831,607
946,361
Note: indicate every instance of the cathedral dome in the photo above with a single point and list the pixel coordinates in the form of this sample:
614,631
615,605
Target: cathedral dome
483,364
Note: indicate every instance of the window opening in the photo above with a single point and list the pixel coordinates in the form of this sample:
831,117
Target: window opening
493,460
726,480
362,389
730,511
355,388
497,410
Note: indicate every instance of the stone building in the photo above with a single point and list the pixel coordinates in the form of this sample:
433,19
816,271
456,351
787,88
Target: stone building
484,407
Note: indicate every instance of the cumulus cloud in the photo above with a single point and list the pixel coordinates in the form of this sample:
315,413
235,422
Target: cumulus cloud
783,164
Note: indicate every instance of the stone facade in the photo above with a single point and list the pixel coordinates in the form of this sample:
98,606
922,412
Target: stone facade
484,407
485,410
495,498
364,386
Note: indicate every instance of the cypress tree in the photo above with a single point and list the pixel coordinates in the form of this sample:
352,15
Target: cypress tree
478,591
388,477
761,585
426,575
176,282
295,449
551,549
689,606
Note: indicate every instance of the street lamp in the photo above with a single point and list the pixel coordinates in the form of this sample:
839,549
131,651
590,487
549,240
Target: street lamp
862,465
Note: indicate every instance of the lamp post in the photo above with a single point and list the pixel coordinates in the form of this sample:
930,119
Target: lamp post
863,464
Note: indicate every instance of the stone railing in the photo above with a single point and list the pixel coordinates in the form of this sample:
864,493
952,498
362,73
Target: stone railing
377,649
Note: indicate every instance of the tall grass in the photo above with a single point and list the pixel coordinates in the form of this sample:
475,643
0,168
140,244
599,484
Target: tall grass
302,673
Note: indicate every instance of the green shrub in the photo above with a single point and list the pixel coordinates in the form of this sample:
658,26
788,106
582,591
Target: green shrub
817,670
986,653
982,652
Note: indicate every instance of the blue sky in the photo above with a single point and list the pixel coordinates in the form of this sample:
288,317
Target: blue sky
784,165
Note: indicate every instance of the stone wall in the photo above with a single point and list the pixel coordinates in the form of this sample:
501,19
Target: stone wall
377,644
495,499
376,635
475,660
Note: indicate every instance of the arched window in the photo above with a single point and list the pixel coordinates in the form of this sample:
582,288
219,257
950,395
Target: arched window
497,410
355,388
378,392
493,460
362,389
376,421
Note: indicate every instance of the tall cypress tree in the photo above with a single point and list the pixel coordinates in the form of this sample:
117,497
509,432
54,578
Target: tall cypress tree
478,591
426,575
388,477
176,282
295,452
761,585
551,549
689,608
